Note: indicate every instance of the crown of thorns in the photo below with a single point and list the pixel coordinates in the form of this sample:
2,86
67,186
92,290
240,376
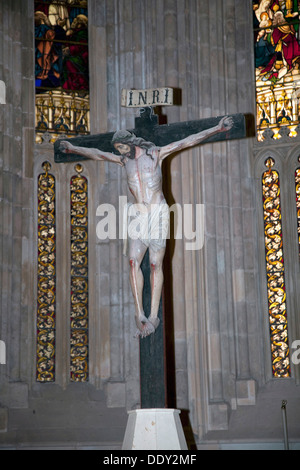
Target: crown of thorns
123,136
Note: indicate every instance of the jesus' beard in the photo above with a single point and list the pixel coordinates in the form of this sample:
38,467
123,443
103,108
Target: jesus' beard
131,154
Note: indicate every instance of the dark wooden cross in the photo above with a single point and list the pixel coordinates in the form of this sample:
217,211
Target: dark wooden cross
153,351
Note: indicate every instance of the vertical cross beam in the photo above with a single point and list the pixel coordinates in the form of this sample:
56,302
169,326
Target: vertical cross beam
152,348
152,352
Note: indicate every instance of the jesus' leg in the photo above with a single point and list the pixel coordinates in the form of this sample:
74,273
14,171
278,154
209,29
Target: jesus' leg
137,251
157,279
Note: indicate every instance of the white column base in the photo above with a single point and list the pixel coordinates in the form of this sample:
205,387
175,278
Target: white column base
154,429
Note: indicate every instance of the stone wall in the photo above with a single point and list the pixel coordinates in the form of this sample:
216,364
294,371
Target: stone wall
16,204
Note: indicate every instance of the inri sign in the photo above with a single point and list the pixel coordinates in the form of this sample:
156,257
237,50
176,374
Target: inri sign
151,97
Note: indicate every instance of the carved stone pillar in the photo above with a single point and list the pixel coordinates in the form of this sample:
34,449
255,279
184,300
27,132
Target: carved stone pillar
16,213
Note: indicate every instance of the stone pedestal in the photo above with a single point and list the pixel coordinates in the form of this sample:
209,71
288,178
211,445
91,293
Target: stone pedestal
154,429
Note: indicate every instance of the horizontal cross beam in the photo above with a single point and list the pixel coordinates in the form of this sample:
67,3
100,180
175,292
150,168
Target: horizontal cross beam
148,128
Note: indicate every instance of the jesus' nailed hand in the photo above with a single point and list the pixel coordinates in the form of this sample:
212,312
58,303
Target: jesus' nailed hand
142,161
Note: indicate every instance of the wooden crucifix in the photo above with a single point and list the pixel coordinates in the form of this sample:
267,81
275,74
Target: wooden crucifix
141,152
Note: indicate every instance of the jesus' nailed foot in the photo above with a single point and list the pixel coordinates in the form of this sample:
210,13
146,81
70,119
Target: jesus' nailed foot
146,326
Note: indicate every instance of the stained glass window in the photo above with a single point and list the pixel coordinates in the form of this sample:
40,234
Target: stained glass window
79,277
275,272
46,289
61,68
277,60
297,182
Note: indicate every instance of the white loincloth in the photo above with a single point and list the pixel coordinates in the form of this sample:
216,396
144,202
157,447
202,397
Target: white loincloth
151,227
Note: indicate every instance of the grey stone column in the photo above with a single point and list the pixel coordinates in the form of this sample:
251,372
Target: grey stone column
16,200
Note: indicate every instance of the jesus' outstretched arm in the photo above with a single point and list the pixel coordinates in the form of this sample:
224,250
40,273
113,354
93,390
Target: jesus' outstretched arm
92,153
224,125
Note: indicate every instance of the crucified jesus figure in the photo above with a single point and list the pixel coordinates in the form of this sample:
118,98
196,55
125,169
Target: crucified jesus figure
142,161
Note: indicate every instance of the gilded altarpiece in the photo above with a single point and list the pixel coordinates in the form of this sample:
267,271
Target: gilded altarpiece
79,278
46,289
275,272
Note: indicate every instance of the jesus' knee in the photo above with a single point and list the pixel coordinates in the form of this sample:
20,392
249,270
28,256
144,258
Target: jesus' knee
156,266
134,264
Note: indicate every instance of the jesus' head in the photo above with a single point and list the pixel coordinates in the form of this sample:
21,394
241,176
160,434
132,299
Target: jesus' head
126,142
